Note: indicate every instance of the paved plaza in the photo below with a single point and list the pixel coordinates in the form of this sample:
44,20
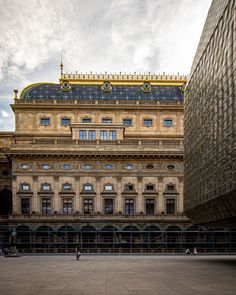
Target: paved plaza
118,275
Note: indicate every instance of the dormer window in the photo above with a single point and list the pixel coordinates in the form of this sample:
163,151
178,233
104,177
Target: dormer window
46,186
67,186
25,186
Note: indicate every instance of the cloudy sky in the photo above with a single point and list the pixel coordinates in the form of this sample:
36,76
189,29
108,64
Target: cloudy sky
93,35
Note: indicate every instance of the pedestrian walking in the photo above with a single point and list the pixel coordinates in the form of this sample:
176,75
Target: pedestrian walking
78,254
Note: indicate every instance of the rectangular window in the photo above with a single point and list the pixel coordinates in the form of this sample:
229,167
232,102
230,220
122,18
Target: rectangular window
25,206
129,187
67,187
129,206
107,120
127,122
168,122
86,120
150,187
108,187
149,206
88,206
103,135
88,188
91,135
46,187
147,122
170,206
45,121
65,121
46,206
112,135
67,206
108,206
25,187
82,134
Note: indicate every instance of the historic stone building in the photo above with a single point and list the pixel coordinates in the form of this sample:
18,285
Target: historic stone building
210,121
97,161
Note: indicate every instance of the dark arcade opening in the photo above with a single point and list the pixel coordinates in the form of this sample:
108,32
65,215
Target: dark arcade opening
5,202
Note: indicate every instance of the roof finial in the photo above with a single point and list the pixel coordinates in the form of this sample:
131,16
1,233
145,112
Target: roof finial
61,66
15,91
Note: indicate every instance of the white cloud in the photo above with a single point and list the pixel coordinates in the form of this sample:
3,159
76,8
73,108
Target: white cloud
4,114
97,35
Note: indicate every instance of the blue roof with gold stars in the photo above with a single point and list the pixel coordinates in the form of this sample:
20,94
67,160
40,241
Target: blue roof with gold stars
44,91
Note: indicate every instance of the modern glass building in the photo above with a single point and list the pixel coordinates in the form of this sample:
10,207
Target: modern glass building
210,121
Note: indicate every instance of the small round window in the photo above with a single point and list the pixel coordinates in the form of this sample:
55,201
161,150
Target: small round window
87,166
150,166
170,167
24,166
46,166
67,166
108,166
129,167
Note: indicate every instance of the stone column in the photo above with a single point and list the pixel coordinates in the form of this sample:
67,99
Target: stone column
77,205
161,205
119,198
15,199
140,206
180,201
35,199
57,203
98,200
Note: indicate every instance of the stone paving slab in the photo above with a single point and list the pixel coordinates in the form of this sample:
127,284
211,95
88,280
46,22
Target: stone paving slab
118,275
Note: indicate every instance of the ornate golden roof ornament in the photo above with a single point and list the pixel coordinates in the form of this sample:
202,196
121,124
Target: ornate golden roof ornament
106,87
146,87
